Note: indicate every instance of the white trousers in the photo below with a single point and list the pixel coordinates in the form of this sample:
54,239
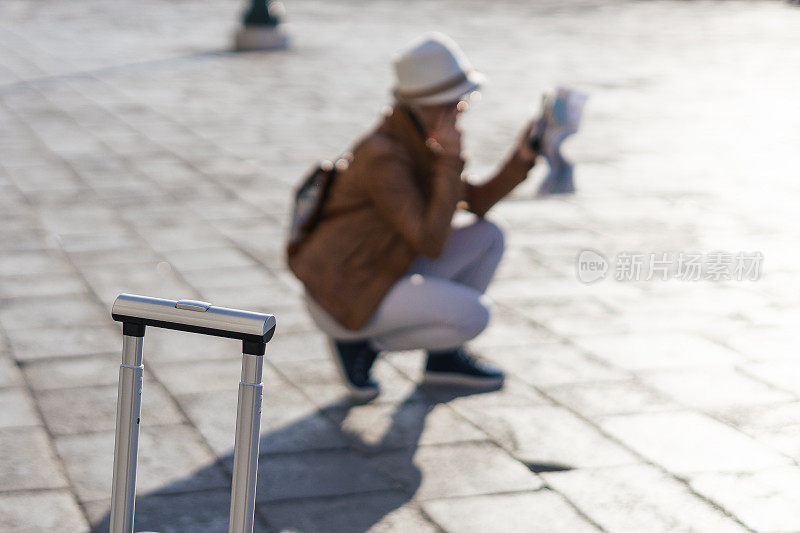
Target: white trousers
438,304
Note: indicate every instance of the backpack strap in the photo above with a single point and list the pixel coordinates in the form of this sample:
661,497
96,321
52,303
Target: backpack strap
309,200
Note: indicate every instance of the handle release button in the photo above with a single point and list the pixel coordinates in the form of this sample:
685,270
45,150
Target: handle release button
193,305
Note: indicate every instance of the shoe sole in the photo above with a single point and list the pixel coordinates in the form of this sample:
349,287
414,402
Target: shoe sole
460,380
363,395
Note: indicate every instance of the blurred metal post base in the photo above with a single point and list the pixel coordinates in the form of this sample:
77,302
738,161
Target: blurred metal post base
261,28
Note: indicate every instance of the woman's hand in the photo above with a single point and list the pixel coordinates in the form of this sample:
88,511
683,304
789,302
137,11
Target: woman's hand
524,149
445,133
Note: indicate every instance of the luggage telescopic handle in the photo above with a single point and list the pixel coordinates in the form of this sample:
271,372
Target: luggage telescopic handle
254,330
136,312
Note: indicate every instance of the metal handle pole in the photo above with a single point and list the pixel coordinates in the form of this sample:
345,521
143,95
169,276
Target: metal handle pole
129,404
254,330
245,455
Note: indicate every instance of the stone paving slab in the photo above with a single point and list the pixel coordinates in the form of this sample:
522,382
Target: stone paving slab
33,512
513,394
605,398
203,376
320,382
91,242
646,352
460,470
299,346
381,427
731,388
28,460
540,511
134,278
782,373
17,409
638,498
171,459
232,277
686,442
549,365
43,285
13,263
10,376
548,435
176,513
764,343
56,342
86,371
318,473
83,410
381,511
764,500
64,311
111,258
503,331
289,423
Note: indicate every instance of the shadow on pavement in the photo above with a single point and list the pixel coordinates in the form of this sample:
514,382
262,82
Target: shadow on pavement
331,486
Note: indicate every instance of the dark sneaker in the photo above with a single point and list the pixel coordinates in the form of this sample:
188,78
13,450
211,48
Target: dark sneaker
457,367
354,360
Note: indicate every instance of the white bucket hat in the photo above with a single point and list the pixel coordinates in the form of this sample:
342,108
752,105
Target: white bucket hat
434,70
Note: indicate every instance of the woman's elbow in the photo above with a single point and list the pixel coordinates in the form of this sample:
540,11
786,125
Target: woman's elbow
477,208
431,247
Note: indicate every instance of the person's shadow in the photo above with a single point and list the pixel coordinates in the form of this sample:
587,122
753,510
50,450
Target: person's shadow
334,486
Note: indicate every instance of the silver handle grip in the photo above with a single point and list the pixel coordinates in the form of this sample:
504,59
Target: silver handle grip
190,315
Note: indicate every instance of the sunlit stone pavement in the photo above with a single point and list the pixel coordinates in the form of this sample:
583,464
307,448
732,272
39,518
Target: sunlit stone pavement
138,155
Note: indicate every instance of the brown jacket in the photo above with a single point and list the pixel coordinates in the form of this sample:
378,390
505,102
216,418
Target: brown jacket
393,203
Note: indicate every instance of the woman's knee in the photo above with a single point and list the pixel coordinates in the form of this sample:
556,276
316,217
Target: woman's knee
474,319
493,234
470,322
